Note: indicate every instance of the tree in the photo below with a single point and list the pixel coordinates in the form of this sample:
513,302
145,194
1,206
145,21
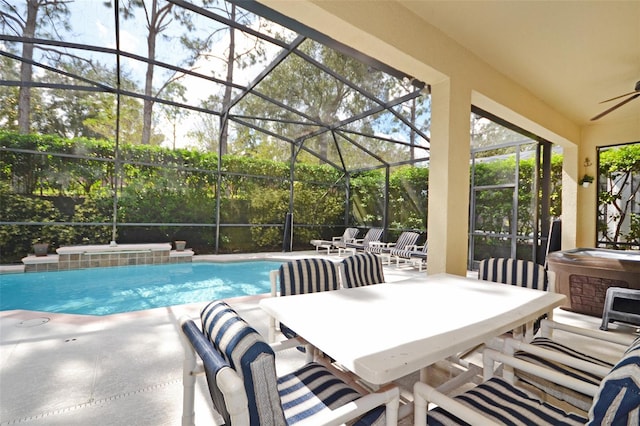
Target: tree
9,70
160,16
175,114
327,100
619,168
39,17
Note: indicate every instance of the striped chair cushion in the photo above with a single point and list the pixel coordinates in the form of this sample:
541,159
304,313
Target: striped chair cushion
362,269
405,240
408,254
373,234
505,404
250,356
313,390
348,235
617,401
562,393
519,272
307,276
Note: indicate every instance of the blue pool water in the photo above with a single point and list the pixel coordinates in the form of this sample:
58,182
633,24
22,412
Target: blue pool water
104,291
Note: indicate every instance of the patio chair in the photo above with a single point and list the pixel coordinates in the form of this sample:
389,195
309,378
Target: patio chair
406,239
298,277
523,273
499,400
519,272
362,269
241,375
373,234
551,353
416,255
349,235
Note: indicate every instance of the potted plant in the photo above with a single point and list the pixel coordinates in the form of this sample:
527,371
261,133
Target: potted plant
180,245
40,248
586,180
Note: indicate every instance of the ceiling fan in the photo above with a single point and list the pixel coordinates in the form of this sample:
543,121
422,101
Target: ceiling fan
630,96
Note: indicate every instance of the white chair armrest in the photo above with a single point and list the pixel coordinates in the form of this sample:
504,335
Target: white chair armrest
548,326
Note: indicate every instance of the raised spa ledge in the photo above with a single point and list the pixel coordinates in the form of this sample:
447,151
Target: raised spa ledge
99,256
585,274
118,248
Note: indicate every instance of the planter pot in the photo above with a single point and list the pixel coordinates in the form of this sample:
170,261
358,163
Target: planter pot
41,249
180,245
586,184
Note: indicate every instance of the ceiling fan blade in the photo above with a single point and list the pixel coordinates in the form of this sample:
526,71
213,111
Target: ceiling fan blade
621,96
616,106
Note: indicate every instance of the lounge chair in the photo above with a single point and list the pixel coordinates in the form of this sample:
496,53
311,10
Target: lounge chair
302,276
406,239
373,234
498,401
245,390
336,242
416,255
362,269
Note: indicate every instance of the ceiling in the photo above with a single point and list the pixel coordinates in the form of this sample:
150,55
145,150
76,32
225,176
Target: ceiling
570,54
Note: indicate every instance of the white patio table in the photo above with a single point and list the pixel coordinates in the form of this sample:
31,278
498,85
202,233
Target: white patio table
385,331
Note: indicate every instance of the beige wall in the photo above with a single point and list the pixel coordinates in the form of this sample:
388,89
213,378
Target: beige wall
393,35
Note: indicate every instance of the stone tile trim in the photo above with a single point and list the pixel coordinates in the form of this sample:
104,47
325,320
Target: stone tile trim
588,293
82,257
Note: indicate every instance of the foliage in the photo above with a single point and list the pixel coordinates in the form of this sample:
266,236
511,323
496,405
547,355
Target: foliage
618,196
164,195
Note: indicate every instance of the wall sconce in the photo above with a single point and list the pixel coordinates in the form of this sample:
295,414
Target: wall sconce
586,179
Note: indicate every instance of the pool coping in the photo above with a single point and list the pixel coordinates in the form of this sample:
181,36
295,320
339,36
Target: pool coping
215,258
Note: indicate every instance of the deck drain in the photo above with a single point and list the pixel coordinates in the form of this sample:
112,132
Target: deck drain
34,322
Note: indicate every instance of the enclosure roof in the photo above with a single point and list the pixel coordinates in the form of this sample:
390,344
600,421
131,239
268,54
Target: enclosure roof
289,85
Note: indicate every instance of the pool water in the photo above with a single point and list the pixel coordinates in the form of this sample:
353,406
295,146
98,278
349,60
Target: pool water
104,291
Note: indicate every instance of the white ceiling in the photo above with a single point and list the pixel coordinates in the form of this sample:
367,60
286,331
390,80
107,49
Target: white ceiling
571,54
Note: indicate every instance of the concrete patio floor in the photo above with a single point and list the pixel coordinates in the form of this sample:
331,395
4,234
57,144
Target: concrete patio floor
124,369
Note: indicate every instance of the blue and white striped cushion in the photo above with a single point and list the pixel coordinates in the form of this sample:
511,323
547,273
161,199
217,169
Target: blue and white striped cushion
308,276
571,396
519,272
362,269
408,254
250,356
617,401
313,389
505,404
349,235
404,240
373,234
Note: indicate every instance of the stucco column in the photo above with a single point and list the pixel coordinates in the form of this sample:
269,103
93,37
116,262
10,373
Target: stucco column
448,220
572,216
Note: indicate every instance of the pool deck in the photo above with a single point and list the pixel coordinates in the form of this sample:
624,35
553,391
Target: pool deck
125,369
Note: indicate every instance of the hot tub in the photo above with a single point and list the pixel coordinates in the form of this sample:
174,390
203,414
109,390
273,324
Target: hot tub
585,274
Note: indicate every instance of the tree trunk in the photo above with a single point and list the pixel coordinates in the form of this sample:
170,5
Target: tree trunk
24,94
147,109
224,134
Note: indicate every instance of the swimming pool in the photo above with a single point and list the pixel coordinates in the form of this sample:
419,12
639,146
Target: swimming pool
105,291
